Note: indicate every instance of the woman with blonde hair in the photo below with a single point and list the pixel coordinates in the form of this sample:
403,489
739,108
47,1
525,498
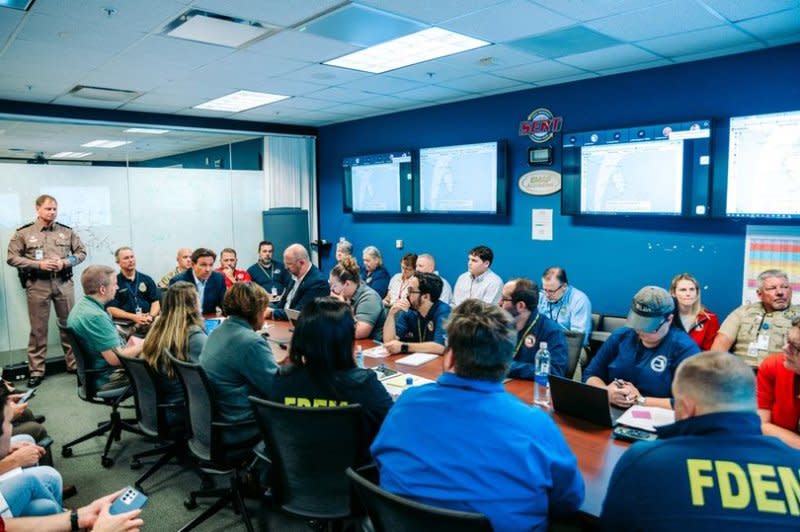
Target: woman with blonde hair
691,316
178,330
368,310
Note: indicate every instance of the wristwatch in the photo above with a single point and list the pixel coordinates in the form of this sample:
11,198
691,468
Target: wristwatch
73,521
404,348
641,400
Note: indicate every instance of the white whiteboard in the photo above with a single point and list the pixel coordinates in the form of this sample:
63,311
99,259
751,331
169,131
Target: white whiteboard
153,210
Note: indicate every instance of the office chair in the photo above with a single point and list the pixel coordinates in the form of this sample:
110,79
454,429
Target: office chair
151,413
574,347
88,391
391,513
206,445
310,448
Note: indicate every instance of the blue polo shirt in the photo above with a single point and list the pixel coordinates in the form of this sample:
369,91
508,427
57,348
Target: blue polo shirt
468,445
623,356
141,292
539,329
410,326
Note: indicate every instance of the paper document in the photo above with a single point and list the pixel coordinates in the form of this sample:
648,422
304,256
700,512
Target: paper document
646,417
397,384
375,352
417,359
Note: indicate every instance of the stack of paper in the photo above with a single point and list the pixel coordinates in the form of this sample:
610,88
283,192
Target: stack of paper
417,359
398,383
375,352
646,417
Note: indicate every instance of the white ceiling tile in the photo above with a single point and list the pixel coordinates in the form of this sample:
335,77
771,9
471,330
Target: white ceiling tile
697,41
483,83
605,58
9,18
718,52
68,99
279,12
69,33
189,54
583,10
304,104
392,103
339,95
431,93
777,26
435,71
632,67
567,79
129,16
431,12
744,9
508,21
666,18
325,75
382,84
491,58
302,46
537,72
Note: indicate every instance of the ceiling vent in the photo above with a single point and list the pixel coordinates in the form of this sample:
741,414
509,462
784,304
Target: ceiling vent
102,93
211,28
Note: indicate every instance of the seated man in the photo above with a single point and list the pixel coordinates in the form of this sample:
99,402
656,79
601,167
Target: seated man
564,303
520,297
416,324
210,284
227,267
427,264
184,260
268,272
756,329
138,299
306,284
479,281
94,328
637,362
778,402
712,469
466,444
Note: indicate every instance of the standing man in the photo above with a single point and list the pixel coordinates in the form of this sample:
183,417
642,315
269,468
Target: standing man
479,281
210,284
138,299
416,323
427,264
307,283
44,253
227,267
268,272
520,298
565,304
184,262
755,330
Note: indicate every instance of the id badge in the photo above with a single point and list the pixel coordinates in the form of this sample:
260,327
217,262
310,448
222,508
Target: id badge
38,254
762,342
274,291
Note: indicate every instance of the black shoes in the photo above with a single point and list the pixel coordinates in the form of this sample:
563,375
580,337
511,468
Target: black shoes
35,381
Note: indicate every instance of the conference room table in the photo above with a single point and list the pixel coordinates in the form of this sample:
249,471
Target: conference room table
593,446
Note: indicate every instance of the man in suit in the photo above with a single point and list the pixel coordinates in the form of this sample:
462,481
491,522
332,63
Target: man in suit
307,283
210,284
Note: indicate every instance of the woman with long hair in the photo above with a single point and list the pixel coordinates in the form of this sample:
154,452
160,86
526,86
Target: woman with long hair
322,370
691,316
367,307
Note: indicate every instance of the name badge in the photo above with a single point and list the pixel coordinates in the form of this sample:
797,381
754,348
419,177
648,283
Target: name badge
762,342
38,254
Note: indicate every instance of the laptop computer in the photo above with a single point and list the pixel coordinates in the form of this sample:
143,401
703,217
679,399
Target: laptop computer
582,401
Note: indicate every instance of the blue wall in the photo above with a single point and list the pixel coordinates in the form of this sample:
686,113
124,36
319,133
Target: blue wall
608,258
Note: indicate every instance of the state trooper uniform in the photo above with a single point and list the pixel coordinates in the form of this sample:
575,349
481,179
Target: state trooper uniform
31,244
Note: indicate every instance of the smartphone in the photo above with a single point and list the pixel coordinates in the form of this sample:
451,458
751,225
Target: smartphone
45,442
129,499
26,396
384,372
633,435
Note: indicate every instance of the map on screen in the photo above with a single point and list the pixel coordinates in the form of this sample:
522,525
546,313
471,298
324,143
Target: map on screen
376,188
459,178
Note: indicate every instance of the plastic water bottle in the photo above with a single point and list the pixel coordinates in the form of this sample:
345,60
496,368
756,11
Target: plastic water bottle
359,356
541,384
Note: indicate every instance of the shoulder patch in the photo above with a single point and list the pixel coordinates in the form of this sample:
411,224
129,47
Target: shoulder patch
24,226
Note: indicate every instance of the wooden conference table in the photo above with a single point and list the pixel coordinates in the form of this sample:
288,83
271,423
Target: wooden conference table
596,451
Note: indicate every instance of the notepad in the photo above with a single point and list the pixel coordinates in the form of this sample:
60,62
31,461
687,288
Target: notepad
417,359
376,352
397,384
646,417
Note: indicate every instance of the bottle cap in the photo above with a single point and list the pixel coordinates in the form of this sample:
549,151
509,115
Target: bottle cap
542,345
409,380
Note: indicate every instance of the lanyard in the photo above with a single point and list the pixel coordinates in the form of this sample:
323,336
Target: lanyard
550,307
271,270
524,334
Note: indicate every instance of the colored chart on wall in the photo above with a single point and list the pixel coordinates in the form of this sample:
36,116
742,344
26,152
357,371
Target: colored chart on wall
771,247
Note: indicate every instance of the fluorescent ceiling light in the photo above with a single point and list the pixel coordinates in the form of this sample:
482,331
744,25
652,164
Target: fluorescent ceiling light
210,28
105,143
146,131
409,50
240,101
70,155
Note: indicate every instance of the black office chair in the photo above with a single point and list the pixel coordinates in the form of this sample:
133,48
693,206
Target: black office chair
574,347
391,513
206,445
151,413
310,448
89,392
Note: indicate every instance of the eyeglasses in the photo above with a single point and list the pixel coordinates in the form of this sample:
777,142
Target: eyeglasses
504,299
412,291
553,291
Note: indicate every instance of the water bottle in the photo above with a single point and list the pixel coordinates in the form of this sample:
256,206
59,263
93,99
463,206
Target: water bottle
359,356
541,384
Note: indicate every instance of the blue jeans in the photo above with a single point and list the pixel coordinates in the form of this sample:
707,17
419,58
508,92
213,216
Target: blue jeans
34,491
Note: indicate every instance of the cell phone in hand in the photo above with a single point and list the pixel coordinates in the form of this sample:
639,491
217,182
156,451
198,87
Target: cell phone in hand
26,396
129,499
45,442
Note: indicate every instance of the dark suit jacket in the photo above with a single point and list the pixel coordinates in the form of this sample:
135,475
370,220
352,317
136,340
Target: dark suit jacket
212,295
313,285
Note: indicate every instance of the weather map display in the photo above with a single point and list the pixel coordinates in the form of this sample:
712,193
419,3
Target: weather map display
378,183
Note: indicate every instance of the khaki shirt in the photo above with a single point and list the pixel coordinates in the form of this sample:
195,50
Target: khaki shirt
746,322
35,242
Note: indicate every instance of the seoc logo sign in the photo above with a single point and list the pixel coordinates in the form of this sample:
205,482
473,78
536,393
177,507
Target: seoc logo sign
541,125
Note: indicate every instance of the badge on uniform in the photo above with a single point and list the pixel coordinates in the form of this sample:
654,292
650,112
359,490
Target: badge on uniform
142,287
659,363
430,326
530,341
38,254
61,235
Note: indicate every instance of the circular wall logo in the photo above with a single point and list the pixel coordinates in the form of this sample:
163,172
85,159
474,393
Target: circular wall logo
541,125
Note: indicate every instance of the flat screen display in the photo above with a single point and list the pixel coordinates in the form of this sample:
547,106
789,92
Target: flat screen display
764,166
378,183
655,170
468,178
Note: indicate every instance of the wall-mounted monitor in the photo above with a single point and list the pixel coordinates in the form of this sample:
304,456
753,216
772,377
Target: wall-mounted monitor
463,179
652,170
764,166
378,183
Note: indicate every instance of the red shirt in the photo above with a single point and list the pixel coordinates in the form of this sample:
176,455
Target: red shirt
777,392
705,330
241,276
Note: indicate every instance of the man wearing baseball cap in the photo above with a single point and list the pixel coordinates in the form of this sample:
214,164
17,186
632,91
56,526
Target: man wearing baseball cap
637,362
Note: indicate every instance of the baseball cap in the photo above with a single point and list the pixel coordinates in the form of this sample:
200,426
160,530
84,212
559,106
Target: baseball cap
650,306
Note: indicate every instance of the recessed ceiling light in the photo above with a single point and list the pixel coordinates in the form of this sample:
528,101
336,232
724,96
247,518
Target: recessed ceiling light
210,28
409,50
146,131
100,143
70,155
240,101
